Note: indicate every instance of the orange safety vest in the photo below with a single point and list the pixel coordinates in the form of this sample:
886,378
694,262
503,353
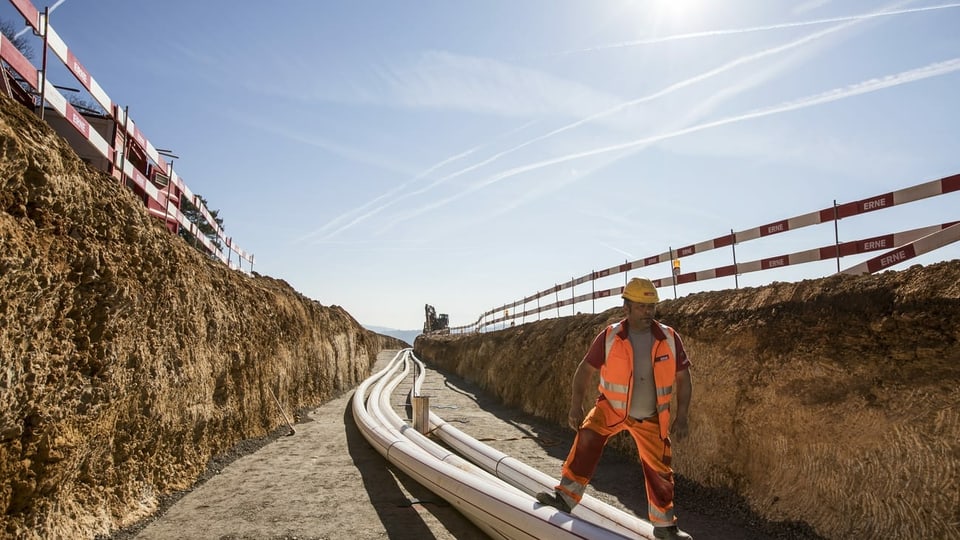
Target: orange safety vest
616,374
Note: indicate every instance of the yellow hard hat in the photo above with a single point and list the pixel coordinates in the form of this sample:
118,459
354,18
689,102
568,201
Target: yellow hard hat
640,290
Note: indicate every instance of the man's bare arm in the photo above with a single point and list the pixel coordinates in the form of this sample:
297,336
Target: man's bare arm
581,382
684,386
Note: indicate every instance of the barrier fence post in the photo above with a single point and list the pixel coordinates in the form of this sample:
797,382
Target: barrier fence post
573,297
43,63
836,232
166,205
736,270
674,278
593,291
556,296
676,272
124,150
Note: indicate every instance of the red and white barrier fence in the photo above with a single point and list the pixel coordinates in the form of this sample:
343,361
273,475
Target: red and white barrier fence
906,245
932,241
162,201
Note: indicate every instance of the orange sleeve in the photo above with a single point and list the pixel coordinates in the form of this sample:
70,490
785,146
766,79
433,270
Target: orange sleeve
596,355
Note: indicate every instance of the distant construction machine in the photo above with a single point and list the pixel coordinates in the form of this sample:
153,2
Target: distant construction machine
434,323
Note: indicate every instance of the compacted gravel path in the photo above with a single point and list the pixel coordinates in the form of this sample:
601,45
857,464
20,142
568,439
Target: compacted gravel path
327,482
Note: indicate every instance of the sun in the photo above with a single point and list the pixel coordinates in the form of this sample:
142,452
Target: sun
672,13
666,17
677,9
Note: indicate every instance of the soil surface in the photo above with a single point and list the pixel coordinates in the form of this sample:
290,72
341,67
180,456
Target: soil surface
327,482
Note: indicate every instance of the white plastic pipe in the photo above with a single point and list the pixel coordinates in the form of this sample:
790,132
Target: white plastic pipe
501,513
386,413
497,527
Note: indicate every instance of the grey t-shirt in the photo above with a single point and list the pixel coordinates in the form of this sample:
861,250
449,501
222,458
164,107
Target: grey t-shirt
643,402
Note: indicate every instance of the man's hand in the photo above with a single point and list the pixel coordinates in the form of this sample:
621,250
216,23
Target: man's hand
680,428
684,391
575,416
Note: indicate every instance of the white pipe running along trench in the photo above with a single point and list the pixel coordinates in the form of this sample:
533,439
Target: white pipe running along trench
491,521
526,478
379,405
498,509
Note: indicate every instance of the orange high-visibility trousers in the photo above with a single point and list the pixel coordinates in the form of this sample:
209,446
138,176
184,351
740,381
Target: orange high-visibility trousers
654,454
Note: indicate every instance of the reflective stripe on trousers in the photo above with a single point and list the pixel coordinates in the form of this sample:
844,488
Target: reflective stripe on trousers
655,457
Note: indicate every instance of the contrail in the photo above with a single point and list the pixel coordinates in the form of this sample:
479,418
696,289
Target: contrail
351,154
618,250
846,22
650,97
780,26
661,93
26,28
672,88
391,201
342,217
871,85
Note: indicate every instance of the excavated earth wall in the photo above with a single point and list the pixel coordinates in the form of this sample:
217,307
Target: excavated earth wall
128,358
833,402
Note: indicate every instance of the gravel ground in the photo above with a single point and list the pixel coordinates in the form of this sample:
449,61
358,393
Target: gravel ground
327,482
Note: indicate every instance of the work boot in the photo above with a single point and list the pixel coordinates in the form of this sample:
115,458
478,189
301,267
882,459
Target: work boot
553,499
670,533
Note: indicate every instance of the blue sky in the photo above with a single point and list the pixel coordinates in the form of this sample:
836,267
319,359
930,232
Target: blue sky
385,155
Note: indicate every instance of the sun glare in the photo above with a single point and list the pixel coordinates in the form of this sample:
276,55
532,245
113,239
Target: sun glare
675,9
672,13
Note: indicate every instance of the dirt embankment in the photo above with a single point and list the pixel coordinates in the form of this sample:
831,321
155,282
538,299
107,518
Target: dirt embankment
128,358
833,402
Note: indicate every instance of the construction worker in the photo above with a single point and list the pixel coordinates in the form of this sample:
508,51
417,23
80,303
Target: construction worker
635,395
